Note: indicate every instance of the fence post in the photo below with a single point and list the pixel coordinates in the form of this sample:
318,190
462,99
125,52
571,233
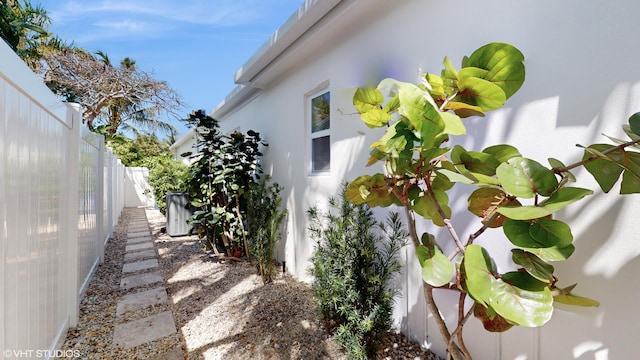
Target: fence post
100,198
110,184
74,112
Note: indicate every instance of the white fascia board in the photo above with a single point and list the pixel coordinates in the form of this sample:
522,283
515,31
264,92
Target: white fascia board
302,20
183,139
236,97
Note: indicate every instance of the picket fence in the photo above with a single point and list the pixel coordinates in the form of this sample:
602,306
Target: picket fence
61,193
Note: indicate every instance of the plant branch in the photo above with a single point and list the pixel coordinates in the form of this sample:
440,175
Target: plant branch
442,326
559,170
462,319
447,221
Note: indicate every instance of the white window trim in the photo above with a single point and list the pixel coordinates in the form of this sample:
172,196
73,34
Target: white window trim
319,90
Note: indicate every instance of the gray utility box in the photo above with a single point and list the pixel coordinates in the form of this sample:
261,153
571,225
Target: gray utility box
178,212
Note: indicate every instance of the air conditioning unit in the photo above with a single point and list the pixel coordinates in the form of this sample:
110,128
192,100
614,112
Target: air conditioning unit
178,212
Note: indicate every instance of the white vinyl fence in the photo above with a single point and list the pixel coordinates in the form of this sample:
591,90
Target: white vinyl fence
61,193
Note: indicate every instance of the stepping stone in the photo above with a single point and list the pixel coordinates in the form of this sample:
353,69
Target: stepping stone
138,228
141,300
134,281
140,265
141,331
138,234
138,240
137,247
134,256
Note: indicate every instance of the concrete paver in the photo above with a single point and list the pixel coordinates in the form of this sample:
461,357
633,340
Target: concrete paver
136,247
140,265
134,281
141,300
147,329
138,255
138,240
138,234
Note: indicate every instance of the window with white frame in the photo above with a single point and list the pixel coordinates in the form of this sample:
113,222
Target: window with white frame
320,125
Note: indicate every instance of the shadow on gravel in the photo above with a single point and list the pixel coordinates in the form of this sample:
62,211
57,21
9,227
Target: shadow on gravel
224,311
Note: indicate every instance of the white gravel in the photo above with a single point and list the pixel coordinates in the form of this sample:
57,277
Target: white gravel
221,310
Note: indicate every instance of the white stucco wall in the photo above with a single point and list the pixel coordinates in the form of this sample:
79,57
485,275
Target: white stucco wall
583,79
186,144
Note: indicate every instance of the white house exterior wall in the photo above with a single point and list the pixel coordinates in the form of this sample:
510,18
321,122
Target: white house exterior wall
583,79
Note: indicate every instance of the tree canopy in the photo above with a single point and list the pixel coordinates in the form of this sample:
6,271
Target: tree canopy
114,97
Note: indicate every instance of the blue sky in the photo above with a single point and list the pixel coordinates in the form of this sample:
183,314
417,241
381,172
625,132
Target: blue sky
194,45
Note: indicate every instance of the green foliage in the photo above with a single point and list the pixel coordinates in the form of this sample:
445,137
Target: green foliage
166,175
516,193
23,27
354,260
140,151
265,218
225,167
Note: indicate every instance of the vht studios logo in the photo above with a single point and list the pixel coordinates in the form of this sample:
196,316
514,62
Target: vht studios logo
45,354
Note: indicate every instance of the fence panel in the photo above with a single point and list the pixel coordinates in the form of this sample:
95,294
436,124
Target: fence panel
55,212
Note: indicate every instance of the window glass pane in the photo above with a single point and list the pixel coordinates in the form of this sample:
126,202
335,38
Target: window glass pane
321,153
320,112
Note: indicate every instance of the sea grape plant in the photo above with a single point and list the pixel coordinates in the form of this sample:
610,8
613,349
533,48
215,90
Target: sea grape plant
513,192
223,170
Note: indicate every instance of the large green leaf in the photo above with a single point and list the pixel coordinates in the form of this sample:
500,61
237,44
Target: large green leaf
435,85
481,93
631,176
542,233
449,76
553,232
484,203
634,123
366,99
505,65
417,105
437,270
464,110
520,298
564,197
396,139
479,162
517,296
425,206
372,190
575,300
525,178
559,200
375,118
478,270
453,124
552,253
605,171
368,102
535,266
502,152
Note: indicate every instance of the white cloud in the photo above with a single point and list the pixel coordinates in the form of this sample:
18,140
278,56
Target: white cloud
90,21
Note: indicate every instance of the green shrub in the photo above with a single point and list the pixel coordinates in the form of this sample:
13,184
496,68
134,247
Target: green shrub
265,218
354,260
166,175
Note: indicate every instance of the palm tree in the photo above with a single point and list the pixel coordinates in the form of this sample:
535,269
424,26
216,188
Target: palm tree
23,28
127,114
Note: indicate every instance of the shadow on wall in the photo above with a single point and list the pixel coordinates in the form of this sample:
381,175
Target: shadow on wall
137,190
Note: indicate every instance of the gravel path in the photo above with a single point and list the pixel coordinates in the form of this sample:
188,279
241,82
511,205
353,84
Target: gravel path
221,310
